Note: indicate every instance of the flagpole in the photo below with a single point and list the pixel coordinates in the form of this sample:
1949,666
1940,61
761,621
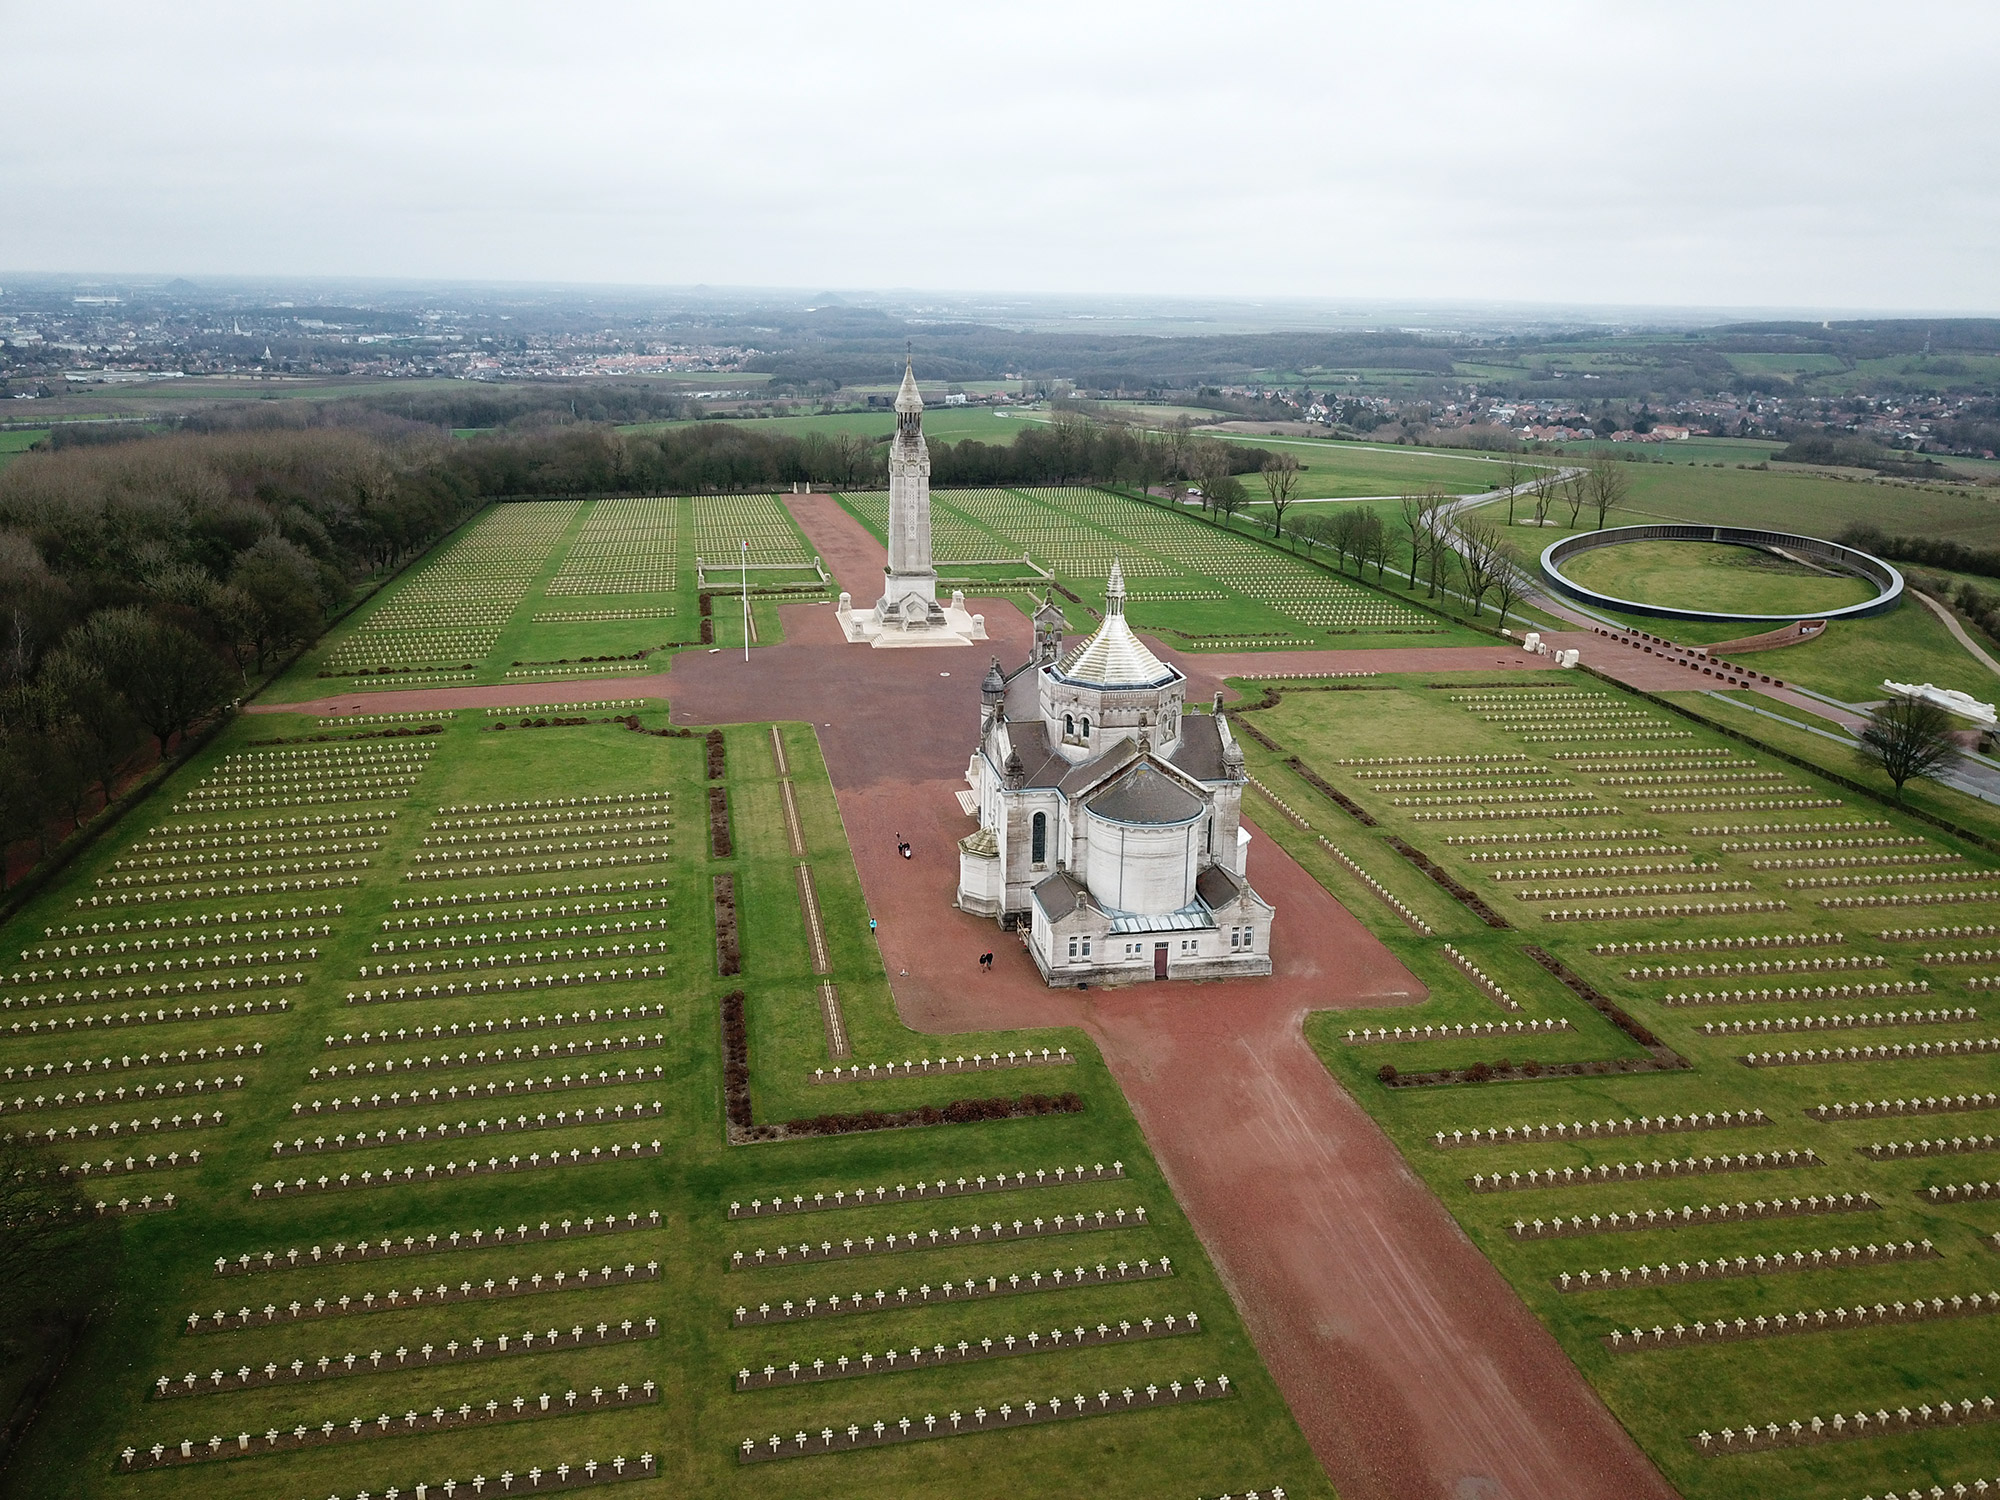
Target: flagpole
746,603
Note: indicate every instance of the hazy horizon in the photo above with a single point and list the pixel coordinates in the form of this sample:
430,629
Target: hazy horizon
1801,160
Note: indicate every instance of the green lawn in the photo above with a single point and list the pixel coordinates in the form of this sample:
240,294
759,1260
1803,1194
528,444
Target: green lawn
102,1403
1704,575
14,444
1663,1398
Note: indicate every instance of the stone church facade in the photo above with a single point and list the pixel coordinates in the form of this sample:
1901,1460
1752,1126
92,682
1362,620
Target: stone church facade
1110,815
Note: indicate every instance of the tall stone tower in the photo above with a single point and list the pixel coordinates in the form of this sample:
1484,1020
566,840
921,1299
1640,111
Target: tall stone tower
908,613
909,602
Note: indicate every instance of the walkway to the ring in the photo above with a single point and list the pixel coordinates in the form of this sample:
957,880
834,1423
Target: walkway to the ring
1413,1369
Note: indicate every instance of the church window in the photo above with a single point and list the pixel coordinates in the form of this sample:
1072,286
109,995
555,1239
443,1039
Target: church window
1208,837
1069,726
1086,726
1040,838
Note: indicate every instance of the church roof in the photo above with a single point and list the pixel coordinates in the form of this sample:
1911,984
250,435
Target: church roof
907,398
1057,894
1114,657
1200,751
1145,794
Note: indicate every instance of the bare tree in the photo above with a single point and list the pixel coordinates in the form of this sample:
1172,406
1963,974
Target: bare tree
1511,478
1542,489
1575,490
1605,479
1374,544
1440,557
1281,483
1909,737
1480,544
1208,466
1416,513
1510,579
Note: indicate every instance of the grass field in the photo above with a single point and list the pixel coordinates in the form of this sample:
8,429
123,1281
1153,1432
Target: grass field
1198,584
103,1404
550,589
1665,1398
1704,575
13,444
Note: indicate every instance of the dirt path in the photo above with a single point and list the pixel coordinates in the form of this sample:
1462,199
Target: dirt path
1413,1369
1958,631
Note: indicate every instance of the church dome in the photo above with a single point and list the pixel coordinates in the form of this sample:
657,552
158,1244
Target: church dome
1114,657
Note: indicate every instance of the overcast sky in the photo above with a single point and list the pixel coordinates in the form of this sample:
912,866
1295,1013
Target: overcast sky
1825,155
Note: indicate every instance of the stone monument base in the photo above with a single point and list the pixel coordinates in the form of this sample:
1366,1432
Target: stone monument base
948,625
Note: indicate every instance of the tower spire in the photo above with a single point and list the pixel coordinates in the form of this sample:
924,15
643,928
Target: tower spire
1114,590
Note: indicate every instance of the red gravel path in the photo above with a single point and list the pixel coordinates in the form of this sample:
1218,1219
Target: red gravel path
1413,1369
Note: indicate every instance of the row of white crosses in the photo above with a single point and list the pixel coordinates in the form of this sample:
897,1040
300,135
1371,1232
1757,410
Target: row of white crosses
916,1357
1909,898
1752,804
111,1129
1577,1130
1806,1320
1847,961
1947,1412
444,1130
629,949
1668,909
221,1320
1955,1016
1015,1283
1926,934
1534,851
134,1092
977,1062
250,1263
1885,1052
1381,890
430,1172
935,1239
501,1088
70,1020
1654,888
1798,992
504,1024
1723,944
1854,861
1688,1166
1921,877
87,1065
1834,1257
956,1424
1930,1104
1891,1150
1597,871
1438,1031
1000,1182
499,1056
337,1366
1691,779
1689,1215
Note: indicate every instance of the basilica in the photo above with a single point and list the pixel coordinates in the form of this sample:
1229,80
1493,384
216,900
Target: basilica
1110,814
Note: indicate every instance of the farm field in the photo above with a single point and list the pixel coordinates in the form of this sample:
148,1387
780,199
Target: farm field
404,896
1196,584
1701,575
14,444
943,424
1732,907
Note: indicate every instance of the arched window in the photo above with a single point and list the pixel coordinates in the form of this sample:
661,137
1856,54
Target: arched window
1208,837
1086,726
1069,726
1041,839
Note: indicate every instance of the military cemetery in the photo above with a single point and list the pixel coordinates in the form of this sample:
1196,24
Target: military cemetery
1154,785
